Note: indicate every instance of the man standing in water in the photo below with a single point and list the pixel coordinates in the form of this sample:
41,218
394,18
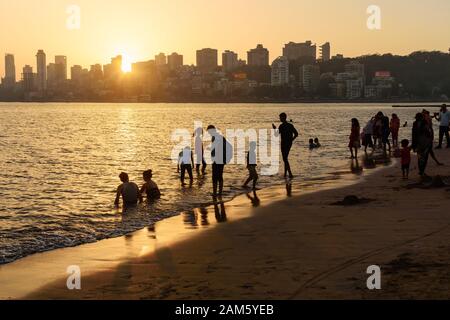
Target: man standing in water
444,121
129,191
221,154
288,135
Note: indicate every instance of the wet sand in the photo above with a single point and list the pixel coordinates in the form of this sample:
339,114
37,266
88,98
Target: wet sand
298,247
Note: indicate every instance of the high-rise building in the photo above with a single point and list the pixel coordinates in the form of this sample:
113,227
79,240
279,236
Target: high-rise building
10,71
280,71
114,70
294,51
28,78
96,72
207,60
310,75
258,56
325,52
76,73
229,61
51,75
175,61
160,60
61,68
41,63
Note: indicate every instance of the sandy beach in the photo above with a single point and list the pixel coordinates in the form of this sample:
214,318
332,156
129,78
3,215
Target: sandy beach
306,246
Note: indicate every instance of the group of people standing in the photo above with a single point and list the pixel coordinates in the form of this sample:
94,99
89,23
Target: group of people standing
221,155
379,128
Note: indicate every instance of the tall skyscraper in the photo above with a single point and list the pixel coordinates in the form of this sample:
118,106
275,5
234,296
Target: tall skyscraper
207,60
10,71
294,51
160,60
229,61
61,68
258,56
28,79
325,52
280,71
175,61
41,70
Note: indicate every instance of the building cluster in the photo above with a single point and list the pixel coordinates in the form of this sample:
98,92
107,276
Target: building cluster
167,77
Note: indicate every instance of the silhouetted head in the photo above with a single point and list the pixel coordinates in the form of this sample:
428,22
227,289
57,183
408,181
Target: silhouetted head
252,145
311,141
316,140
405,143
419,116
444,108
355,123
394,116
380,114
147,175
124,177
283,117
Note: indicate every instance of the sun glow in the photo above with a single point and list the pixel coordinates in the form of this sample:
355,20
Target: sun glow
126,63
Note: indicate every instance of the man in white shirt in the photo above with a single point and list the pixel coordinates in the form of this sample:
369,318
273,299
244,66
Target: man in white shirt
444,120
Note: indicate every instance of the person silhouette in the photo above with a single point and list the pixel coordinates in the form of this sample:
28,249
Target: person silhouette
288,134
221,154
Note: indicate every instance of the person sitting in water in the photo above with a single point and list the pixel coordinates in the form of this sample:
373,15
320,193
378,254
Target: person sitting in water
150,188
311,144
185,163
129,191
251,166
317,143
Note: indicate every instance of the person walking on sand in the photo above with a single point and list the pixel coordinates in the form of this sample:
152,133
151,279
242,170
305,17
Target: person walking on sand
395,128
150,188
129,191
422,142
288,135
221,154
444,121
251,166
354,143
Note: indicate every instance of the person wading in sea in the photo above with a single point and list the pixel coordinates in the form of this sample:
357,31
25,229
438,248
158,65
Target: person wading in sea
221,154
288,135
129,191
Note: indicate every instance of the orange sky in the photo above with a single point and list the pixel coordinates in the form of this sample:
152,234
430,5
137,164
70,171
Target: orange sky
142,28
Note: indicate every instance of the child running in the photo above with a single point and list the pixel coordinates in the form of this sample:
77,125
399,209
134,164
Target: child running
405,158
251,166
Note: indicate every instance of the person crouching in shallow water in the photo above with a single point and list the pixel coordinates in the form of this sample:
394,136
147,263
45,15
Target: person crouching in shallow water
354,143
129,191
150,188
251,166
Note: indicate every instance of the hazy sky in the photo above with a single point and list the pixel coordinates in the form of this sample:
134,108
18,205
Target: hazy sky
142,28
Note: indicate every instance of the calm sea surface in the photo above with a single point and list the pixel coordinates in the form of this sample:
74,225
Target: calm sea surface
59,163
